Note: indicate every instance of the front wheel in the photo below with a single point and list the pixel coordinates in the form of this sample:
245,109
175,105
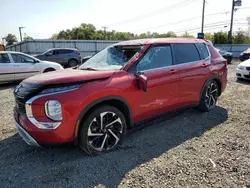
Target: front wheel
102,131
209,96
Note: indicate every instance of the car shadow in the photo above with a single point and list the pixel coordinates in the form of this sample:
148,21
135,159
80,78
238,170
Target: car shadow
242,81
11,85
22,165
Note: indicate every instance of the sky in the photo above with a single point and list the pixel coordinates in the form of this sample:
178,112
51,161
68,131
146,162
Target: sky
42,18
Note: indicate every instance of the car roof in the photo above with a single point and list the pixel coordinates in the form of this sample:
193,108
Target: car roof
161,41
11,52
62,49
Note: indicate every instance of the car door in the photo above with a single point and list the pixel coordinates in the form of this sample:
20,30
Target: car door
6,68
162,78
24,66
51,56
193,70
63,56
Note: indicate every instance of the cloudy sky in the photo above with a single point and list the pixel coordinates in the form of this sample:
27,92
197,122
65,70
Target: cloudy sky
42,18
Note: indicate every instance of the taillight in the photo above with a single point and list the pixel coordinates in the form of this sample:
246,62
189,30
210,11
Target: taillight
78,53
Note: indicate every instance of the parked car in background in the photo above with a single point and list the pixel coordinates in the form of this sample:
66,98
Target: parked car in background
84,59
67,57
119,87
245,55
243,70
18,66
227,55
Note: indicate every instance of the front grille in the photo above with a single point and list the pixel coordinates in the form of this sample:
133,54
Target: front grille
248,68
20,106
23,92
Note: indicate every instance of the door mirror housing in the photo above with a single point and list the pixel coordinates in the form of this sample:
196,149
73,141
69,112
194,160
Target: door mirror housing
142,81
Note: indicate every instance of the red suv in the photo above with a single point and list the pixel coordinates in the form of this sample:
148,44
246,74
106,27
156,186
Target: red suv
124,84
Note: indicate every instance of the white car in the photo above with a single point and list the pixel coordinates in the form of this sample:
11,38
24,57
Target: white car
19,66
243,70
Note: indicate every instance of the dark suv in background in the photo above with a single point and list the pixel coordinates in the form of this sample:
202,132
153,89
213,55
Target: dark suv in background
67,57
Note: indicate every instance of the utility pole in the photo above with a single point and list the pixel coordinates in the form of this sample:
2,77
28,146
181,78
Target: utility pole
3,40
203,15
20,32
230,33
105,29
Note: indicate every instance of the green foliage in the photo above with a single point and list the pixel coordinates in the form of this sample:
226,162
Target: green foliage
27,38
220,38
241,37
89,32
187,35
10,39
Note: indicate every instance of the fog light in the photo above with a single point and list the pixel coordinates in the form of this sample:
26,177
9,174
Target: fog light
53,110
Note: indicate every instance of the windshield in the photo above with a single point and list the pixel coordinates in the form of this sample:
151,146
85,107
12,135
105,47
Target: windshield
111,58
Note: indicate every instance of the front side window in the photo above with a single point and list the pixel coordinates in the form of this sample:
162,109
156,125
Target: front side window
185,53
18,58
4,58
51,52
156,57
111,58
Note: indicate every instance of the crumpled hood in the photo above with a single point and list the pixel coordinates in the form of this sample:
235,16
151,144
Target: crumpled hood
68,76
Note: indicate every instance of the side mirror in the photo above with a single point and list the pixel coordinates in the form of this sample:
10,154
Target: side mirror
142,81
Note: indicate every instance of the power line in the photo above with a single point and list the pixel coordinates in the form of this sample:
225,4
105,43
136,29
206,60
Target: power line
181,21
177,5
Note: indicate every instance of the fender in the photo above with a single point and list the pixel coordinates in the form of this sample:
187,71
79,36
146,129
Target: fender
96,102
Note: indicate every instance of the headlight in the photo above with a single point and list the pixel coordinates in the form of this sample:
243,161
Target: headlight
53,110
60,89
241,67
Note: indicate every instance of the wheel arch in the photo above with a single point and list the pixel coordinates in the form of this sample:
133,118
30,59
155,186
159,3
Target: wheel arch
49,68
218,81
119,102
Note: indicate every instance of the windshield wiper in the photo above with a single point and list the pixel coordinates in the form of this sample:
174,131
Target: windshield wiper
88,68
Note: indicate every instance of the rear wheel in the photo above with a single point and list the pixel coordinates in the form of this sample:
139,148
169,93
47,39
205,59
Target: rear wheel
102,131
72,63
209,96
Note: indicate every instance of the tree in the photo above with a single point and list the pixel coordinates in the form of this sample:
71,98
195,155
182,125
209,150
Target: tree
241,37
27,38
220,38
10,39
54,36
187,35
209,36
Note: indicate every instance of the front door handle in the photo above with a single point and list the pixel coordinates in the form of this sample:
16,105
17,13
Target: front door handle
204,64
17,65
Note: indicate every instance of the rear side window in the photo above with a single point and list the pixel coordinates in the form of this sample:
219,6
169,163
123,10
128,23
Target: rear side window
4,58
156,57
203,50
185,53
64,51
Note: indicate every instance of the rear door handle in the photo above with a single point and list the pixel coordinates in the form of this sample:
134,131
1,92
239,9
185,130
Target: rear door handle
172,71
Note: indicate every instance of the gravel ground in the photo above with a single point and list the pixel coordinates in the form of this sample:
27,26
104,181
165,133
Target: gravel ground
190,149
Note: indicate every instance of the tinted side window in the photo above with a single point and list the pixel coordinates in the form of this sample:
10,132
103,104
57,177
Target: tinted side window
156,57
4,58
203,50
64,51
185,53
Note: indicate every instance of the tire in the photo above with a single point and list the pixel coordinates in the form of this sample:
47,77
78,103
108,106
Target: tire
229,60
72,63
209,96
48,70
94,139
